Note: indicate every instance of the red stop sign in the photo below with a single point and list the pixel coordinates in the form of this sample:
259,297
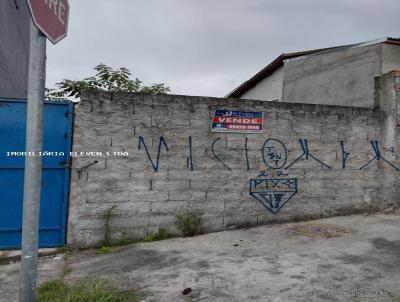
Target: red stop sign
51,17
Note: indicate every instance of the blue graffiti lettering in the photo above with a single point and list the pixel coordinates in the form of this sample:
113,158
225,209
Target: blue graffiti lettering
306,153
345,154
246,149
263,174
272,193
274,153
215,154
378,156
190,157
281,173
160,144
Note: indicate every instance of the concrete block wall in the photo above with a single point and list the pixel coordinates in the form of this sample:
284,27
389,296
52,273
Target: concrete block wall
187,167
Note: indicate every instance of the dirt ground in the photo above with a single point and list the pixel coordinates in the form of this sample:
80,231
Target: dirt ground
352,258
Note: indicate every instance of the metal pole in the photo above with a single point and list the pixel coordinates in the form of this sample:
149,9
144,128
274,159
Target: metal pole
33,165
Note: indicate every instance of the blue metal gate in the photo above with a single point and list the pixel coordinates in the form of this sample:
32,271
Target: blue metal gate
55,173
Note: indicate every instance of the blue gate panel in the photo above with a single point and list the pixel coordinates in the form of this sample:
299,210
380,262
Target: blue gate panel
11,188
55,175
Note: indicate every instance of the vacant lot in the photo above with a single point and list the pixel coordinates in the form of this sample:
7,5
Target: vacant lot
353,258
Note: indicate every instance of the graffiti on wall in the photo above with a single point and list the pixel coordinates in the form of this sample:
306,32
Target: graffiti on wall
307,155
274,154
272,190
161,143
273,193
378,156
216,155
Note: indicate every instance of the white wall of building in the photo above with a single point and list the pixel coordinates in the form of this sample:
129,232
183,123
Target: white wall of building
390,57
340,77
269,89
343,76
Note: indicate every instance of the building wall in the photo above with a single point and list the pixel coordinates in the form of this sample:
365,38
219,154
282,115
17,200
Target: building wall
340,77
14,48
269,89
174,163
390,57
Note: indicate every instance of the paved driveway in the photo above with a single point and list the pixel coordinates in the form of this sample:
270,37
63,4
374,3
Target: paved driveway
353,258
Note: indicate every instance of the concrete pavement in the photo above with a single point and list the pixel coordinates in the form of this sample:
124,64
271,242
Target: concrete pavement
351,258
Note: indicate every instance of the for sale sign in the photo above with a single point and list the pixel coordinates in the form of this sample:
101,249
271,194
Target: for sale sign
237,121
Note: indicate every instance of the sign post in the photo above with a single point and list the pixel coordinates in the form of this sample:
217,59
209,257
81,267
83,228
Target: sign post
33,166
49,19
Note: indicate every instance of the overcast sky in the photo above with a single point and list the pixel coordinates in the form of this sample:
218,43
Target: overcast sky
208,47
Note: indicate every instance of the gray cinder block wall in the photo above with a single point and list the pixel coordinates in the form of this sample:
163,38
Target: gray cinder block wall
340,160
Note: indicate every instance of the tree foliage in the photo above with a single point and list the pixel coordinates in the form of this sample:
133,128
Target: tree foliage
106,79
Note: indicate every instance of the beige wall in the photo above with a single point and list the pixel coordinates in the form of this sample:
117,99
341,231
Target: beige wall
269,89
340,77
390,57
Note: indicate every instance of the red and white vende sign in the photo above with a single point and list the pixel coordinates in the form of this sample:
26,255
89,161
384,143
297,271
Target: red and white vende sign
51,17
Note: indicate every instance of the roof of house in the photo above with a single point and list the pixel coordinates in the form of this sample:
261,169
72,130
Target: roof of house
278,62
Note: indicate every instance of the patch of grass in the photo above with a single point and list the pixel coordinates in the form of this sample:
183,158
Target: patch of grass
190,223
4,257
162,234
4,254
84,291
104,250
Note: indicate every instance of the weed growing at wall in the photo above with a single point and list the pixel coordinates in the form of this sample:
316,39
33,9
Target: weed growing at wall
107,217
64,249
162,234
124,240
190,223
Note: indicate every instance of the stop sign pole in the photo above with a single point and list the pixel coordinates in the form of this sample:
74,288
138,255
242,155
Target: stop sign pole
49,19
33,165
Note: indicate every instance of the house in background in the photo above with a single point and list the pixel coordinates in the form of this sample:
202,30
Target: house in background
14,48
342,75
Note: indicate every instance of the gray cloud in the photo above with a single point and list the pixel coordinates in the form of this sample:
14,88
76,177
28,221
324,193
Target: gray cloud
207,47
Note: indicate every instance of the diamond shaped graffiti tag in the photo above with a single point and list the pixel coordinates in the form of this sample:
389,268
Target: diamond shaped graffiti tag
272,193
